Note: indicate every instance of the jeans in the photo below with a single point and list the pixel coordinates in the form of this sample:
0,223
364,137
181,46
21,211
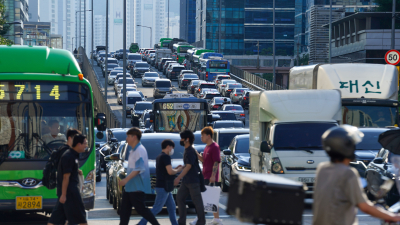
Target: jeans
135,199
163,198
183,193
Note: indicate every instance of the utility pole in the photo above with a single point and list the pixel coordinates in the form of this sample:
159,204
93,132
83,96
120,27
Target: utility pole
84,26
393,24
168,21
80,22
330,31
91,54
124,76
298,57
258,54
106,57
273,43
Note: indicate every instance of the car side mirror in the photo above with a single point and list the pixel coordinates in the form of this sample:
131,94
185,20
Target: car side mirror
107,158
265,147
114,140
152,117
100,135
115,156
378,160
227,152
101,122
97,145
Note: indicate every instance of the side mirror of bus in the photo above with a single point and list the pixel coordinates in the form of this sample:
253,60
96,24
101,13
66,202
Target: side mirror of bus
152,117
265,147
100,122
209,118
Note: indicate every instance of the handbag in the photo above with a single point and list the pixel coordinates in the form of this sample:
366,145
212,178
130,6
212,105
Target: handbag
201,177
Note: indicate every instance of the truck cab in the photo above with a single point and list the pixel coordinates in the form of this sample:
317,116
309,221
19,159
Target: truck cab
286,129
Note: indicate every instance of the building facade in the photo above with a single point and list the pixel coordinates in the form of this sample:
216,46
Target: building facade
37,34
187,25
34,13
149,13
16,13
99,30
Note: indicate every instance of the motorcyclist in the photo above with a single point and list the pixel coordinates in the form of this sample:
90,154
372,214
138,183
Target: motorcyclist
338,190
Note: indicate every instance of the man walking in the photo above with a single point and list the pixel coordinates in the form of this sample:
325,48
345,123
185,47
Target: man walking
70,205
137,183
190,181
211,159
165,182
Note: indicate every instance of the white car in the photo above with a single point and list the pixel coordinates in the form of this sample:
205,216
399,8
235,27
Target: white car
149,78
226,91
223,83
131,98
119,84
121,93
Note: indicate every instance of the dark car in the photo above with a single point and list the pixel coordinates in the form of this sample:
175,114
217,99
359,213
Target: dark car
175,71
203,84
227,124
186,79
244,99
115,136
235,159
367,149
101,138
162,62
139,69
167,63
137,111
225,115
110,67
192,86
152,143
161,88
217,102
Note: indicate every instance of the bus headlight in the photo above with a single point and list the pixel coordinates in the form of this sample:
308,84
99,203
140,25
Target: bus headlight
88,188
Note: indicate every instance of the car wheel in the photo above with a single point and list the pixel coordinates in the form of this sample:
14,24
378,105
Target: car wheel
114,201
98,176
224,187
118,205
107,191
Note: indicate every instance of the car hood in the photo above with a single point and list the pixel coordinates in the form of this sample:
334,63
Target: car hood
138,112
150,78
243,159
174,163
365,154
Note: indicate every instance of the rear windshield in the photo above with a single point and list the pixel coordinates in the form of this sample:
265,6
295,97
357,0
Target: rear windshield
221,100
190,76
177,68
228,81
143,106
112,61
234,107
195,82
142,65
128,81
133,100
111,66
300,136
226,139
227,116
240,90
206,86
115,72
135,57
164,60
224,78
163,84
232,86
210,96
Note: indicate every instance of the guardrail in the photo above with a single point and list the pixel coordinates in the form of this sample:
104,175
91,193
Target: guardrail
253,81
99,101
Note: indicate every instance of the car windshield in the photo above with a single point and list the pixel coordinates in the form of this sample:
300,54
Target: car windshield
225,139
150,75
240,90
163,84
227,116
120,135
369,116
153,146
242,145
127,90
190,76
210,96
134,57
145,65
370,141
234,107
133,100
143,106
300,135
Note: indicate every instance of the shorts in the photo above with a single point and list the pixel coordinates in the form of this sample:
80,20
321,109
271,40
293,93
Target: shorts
207,182
72,210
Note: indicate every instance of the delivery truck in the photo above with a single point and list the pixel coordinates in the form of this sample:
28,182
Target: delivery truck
369,91
285,131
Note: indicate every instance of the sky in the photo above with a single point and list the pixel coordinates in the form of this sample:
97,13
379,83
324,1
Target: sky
100,9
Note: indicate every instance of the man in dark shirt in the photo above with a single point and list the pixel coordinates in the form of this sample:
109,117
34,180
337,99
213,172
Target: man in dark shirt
70,205
165,174
190,182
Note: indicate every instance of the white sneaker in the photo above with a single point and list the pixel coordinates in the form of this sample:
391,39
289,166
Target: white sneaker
215,222
194,221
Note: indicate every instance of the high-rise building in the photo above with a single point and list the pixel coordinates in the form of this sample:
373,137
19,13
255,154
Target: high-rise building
34,14
187,28
99,30
149,13
115,24
16,13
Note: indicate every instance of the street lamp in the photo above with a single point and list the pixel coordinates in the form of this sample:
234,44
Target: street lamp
151,33
76,28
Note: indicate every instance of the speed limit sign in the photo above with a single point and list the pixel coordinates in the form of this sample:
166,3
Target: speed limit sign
392,57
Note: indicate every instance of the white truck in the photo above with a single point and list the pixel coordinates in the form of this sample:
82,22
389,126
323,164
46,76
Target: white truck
163,53
285,131
369,91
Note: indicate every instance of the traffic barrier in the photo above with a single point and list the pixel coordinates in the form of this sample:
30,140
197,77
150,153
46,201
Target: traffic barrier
99,101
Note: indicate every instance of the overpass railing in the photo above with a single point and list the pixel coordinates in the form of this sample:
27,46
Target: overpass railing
252,81
99,101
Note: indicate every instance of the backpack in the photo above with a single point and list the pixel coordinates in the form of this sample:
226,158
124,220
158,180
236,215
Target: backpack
50,170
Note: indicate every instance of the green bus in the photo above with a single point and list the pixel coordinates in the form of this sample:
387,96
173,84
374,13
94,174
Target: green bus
195,64
179,52
164,42
42,94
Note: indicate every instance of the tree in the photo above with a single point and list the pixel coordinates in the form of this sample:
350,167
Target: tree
3,26
386,5
303,60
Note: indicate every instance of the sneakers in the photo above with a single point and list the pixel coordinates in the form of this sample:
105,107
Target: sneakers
194,221
215,222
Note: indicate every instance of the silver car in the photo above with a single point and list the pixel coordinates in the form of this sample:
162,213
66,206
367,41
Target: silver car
237,93
237,109
149,78
223,83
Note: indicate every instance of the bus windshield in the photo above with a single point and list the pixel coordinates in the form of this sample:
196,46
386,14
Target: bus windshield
35,116
179,120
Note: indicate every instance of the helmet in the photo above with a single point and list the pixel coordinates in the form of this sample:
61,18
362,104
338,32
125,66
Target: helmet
342,140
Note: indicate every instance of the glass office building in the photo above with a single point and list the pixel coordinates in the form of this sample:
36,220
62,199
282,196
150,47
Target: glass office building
187,27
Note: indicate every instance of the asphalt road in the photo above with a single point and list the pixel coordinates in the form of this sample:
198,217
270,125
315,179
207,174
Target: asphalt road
104,214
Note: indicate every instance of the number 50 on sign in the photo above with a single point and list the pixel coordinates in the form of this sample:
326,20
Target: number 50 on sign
392,57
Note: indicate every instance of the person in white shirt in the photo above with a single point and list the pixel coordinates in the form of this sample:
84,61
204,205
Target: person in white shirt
54,133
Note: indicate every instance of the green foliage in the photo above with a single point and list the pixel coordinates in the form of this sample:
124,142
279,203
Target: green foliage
386,5
268,76
3,26
303,60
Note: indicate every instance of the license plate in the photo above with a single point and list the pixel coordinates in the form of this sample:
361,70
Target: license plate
28,202
307,179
